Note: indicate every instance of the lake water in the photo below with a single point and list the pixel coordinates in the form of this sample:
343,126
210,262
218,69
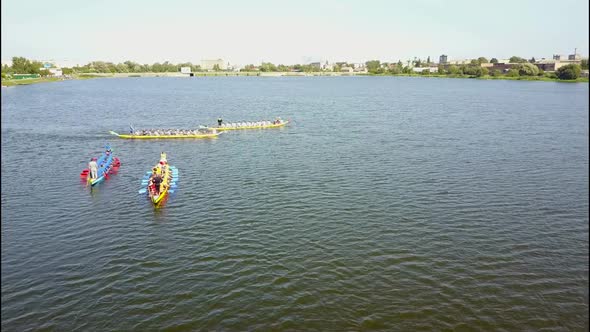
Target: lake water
388,203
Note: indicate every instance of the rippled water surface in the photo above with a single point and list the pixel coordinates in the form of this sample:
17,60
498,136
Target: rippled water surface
387,204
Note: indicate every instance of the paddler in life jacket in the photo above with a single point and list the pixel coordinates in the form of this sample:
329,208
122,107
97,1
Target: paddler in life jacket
219,121
156,181
93,167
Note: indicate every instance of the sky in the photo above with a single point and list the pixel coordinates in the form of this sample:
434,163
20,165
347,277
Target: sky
289,32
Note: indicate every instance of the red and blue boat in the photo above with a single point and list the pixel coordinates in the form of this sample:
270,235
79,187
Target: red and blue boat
107,164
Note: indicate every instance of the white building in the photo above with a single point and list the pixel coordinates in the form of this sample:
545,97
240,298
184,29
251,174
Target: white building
209,64
421,69
56,71
53,71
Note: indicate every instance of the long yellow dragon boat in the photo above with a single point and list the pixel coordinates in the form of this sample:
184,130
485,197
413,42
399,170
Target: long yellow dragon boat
137,136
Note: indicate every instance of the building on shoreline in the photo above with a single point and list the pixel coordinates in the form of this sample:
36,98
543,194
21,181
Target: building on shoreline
422,69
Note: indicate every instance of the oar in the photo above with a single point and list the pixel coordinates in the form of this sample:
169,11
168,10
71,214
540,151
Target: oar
142,190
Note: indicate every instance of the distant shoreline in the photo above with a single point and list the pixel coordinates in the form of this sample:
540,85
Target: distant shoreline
6,83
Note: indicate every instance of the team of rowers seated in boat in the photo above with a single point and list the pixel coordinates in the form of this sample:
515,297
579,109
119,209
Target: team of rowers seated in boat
173,132
157,177
248,124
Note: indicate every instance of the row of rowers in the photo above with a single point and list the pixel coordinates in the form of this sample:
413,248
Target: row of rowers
241,124
172,132
158,176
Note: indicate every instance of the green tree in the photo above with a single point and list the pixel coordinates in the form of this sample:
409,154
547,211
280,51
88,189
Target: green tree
532,60
130,66
67,71
7,69
516,59
373,66
527,69
20,65
216,67
111,67
512,73
453,70
395,70
568,72
44,72
473,70
122,68
428,60
417,62
157,68
494,60
584,64
495,72
267,66
282,68
100,66
481,60
34,67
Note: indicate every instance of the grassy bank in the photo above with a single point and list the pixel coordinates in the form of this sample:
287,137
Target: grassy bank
28,81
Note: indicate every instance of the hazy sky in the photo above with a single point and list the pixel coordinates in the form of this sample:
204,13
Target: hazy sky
290,32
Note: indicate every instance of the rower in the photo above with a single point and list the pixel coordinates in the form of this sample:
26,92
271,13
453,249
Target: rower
157,180
219,121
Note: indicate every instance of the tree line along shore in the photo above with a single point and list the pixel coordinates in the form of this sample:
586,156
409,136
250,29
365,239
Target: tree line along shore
25,71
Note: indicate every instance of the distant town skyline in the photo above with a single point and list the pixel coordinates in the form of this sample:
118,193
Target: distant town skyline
290,32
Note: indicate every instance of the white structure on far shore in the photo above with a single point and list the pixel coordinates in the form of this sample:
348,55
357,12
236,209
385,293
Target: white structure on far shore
328,66
421,69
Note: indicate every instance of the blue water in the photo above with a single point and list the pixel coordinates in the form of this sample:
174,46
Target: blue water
388,203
